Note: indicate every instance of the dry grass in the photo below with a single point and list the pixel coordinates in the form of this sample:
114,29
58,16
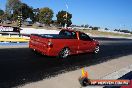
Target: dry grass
95,32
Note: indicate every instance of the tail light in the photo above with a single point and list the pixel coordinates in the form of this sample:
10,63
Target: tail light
49,44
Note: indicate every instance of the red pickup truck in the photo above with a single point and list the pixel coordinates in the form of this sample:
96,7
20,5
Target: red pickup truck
66,43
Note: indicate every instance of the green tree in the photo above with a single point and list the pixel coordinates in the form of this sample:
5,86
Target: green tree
106,29
45,15
95,28
63,18
1,12
86,26
12,5
1,15
36,14
25,10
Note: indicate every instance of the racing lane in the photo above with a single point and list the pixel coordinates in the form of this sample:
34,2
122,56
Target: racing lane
19,65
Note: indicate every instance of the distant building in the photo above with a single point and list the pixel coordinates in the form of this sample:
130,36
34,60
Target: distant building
28,22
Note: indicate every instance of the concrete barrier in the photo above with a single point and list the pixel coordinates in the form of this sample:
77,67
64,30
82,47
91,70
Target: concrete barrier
38,31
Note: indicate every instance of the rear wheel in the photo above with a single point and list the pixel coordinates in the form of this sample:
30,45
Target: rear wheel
96,49
64,53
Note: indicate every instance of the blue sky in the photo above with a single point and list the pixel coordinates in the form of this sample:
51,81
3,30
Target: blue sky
102,13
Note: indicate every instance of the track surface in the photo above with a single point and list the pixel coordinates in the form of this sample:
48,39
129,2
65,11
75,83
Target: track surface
19,65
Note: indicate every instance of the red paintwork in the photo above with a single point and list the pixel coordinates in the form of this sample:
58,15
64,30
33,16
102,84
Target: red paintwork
75,45
129,86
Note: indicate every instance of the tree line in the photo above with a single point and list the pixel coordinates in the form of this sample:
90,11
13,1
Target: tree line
43,15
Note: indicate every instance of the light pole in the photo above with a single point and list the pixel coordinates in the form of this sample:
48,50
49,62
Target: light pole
66,14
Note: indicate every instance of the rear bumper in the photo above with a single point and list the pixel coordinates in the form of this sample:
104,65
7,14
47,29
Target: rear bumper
47,51
38,49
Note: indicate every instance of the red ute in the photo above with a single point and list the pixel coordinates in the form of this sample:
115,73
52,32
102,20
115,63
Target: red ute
67,42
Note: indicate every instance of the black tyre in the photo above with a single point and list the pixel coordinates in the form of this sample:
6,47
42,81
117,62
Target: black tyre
64,53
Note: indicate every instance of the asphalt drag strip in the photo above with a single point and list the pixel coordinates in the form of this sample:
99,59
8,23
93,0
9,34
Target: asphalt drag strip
20,66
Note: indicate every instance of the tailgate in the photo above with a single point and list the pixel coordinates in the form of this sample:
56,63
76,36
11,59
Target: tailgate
38,43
